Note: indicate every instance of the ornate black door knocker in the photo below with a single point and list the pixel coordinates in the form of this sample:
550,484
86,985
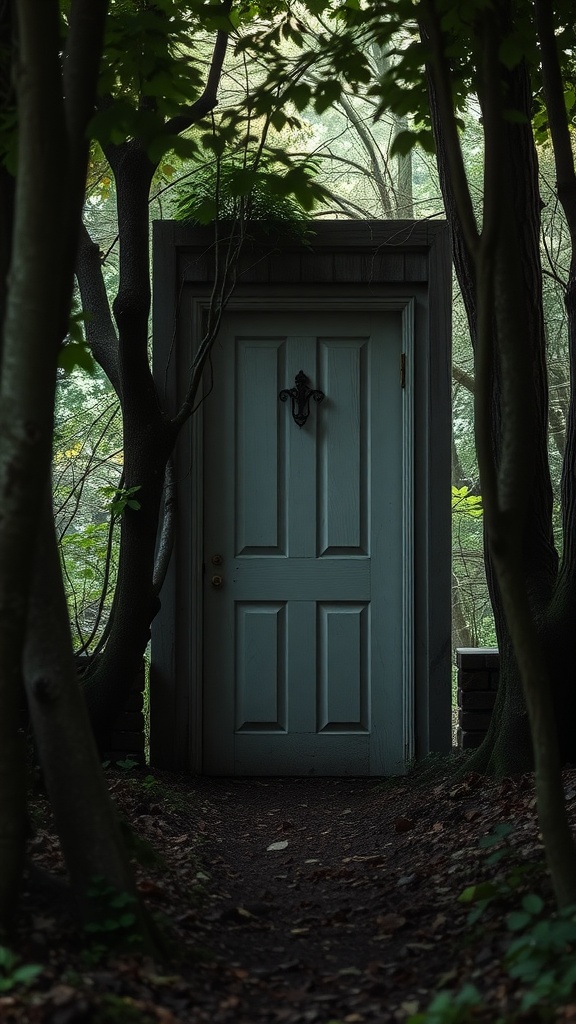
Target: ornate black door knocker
300,398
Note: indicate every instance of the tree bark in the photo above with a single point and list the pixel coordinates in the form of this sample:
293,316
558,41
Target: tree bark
85,817
507,747
149,434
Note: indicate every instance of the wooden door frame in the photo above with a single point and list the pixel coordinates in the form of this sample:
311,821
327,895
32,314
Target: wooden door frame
180,300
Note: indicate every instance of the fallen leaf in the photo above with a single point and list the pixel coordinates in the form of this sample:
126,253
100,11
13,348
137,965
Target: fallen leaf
390,922
278,846
403,824
438,920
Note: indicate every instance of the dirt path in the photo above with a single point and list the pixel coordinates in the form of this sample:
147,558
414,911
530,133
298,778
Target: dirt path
291,901
334,900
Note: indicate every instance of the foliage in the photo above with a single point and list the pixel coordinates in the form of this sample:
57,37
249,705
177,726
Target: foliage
464,503
111,918
122,498
13,972
450,1007
120,1010
506,882
249,188
542,956
159,65
87,468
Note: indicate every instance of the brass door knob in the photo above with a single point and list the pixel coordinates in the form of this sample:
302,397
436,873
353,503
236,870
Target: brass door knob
217,581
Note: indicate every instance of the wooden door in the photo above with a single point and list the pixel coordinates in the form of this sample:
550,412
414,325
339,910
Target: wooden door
304,588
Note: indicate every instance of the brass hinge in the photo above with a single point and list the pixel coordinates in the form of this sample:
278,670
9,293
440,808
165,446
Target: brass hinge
403,370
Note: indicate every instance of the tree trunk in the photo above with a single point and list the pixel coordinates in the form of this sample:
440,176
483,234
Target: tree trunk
12,781
85,817
148,440
507,747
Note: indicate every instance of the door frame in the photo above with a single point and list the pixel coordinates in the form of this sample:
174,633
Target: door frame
422,295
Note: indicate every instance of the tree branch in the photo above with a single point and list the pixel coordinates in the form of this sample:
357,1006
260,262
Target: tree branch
207,101
82,56
556,110
100,331
439,71
463,378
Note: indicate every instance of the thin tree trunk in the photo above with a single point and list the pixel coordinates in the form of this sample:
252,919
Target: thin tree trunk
85,817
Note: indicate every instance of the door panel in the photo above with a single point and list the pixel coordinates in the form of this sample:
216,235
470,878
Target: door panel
303,641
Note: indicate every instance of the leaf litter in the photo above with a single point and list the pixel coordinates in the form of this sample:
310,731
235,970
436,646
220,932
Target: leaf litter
361,925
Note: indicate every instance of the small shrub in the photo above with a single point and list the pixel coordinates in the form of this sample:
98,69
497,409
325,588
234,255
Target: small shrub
543,955
14,973
450,1007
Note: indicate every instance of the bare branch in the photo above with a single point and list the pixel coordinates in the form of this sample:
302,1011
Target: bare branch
463,378
166,540
439,71
82,57
100,331
556,110
207,101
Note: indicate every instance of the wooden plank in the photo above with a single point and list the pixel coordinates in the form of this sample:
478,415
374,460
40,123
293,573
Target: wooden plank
317,267
324,754
439,435
300,579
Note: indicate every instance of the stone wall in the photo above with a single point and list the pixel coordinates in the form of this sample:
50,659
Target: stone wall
478,672
126,738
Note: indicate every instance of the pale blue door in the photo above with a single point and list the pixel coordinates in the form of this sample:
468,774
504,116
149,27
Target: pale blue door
304,595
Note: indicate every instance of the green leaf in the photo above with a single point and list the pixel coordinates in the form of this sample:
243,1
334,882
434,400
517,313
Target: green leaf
7,958
480,891
500,832
511,51
25,974
278,120
403,143
127,920
299,95
326,95
518,920
74,355
533,904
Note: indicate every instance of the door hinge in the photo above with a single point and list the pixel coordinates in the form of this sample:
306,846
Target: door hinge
403,370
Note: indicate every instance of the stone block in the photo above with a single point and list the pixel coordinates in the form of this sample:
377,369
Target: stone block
473,680
477,658
476,721
469,740
476,700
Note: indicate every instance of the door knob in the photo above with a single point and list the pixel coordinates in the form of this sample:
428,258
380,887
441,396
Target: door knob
217,581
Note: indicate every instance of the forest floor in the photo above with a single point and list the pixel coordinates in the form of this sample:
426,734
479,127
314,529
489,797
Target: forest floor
292,901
